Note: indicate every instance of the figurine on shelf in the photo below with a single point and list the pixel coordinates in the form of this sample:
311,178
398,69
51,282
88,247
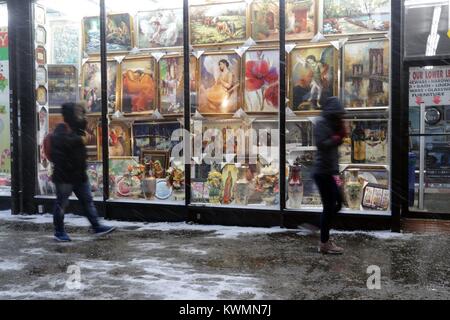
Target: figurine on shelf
214,184
148,182
353,189
175,179
295,185
267,184
242,186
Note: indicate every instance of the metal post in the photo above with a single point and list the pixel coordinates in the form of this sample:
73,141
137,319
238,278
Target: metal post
187,104
422,157
104,122
282,110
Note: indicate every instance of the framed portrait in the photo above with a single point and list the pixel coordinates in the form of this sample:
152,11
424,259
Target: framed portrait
301,19
62,84
95,175
219,88
41,95
356,17
229,178
65,42
41,35
313,76
171,85
119,33
41,55
197,188
41,76
375,197
218,23
119,140
366,74
262,72
160,28
159,159
91,85
138,85
40,15
265,20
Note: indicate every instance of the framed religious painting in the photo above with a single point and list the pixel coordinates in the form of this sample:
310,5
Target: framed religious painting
366,74
138,82
262,73
301,19
41,95
265,16
62,84
41,35
119,33
220,85
375,197
40,15
92,130
216,23
171,85
229,179
91,85
356,17
160,28
119,140
313,76
159,161
41,55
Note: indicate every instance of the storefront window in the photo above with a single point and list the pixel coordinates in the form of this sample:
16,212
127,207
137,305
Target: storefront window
235,71
339,48
64,72
429,128
145,52
5,133
426,28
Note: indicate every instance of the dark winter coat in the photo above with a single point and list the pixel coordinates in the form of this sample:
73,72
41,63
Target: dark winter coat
329,124
69,156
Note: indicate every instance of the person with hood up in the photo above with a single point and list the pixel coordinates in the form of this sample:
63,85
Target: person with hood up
68,154
329,132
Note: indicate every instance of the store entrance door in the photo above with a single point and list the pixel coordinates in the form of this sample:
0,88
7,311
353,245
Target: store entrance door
429,138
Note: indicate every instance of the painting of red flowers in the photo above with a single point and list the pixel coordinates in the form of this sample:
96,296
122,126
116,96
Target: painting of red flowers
262,73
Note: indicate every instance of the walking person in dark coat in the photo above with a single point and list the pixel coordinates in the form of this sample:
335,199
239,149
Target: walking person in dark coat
329,132
69,157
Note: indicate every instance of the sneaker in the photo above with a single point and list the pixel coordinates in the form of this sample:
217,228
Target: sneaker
330,248
103,230
62,237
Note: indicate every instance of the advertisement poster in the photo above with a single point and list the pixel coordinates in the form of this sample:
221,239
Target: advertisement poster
5,151
429,85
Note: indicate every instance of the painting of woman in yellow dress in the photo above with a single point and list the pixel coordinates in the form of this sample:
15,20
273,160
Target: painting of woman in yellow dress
219,84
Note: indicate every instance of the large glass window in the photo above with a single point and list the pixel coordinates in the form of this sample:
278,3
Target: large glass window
339,48
145,49
63,71
429,127
426,28
5,133
235,103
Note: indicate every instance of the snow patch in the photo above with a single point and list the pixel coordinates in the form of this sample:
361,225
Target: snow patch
8,265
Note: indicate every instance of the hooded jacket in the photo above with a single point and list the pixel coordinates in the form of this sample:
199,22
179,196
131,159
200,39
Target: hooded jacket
329,124
69,155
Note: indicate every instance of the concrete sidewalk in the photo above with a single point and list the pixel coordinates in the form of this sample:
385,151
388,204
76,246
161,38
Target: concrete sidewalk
180,261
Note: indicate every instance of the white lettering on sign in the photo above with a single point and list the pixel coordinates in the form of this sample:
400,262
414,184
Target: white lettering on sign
430,86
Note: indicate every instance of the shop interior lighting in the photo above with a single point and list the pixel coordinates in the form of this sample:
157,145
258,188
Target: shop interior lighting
433,38
410,4
3,15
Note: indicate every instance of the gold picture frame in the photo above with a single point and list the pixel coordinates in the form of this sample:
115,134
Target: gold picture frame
311,50
139,102
162,104
223,43
95,98
237,84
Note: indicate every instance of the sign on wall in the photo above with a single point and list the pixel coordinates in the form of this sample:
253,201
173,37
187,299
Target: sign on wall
429,85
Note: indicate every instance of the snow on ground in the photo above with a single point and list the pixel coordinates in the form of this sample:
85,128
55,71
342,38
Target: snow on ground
225,232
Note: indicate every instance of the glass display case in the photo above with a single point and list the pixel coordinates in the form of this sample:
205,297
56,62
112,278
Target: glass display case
235,70
333,48
348,56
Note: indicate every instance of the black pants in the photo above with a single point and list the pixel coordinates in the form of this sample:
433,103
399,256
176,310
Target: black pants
331,200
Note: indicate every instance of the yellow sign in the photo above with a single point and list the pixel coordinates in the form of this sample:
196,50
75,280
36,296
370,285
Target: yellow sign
448,33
